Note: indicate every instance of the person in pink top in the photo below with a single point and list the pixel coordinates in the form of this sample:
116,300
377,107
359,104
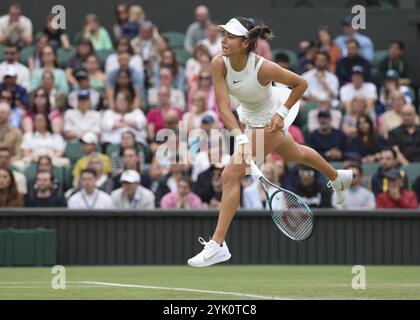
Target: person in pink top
183,198
156,116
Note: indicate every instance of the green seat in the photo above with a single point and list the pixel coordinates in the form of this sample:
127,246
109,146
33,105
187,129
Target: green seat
412,170
2,48
182,55
304,112
293,58
73,151
337,164
31,171
25,54
77,37
113,148
176,39
369,169
378,57
65,55
104,54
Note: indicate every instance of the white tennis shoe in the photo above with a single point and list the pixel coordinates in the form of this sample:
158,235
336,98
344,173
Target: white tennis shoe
211,254
340,184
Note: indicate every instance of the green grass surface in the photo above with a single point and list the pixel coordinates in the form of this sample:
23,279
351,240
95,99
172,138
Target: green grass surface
287,282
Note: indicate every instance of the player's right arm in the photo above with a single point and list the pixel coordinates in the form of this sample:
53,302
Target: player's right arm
218,71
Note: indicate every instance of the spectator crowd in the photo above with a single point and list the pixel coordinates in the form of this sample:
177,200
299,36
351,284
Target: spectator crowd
79,116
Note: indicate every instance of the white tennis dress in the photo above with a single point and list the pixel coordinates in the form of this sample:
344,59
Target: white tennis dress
258,103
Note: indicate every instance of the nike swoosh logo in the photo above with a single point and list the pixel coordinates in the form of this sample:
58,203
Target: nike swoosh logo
236,81
208,258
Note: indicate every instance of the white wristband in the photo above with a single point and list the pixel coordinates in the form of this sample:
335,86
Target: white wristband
241,139
283,112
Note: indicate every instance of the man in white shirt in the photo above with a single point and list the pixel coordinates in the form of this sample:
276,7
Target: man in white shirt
82,78
11,55
132,195
15,28
358,87
321,81
90,198
81,120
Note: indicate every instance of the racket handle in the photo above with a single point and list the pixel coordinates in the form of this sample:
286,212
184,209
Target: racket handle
255,171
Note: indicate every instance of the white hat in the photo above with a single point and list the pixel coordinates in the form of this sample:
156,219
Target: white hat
235,27
130,176
89,138
10,71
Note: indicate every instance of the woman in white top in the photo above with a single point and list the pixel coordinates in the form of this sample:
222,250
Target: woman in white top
123,118
248,77
41,141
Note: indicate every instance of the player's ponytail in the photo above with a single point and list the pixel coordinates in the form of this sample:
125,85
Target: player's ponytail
256,30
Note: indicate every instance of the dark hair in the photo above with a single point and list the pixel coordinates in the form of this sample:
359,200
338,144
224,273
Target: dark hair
135,148
88,170
125,5
44,171
327,30
282,57
4,149
13,45
372,136
54,52
256,30
89,43
356,165
47,121
33,107
394,154
353,41
10,197
325,54
129,88
185,179
119,40
12,103
398,42
174,67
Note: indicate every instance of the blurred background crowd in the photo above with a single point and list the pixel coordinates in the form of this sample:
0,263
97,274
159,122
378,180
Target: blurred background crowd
79,116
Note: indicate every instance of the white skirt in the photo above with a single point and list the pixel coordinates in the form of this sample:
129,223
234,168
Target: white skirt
263,118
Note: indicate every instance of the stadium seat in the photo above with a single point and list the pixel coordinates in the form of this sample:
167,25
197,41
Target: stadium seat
412,170
25,54
2,47
378,57
303,116
73,151
103,54
77,37
64,56
182,55
176,39
369,169
337,164
294,61
58,172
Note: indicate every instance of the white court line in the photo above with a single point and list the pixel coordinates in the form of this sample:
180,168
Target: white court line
237,294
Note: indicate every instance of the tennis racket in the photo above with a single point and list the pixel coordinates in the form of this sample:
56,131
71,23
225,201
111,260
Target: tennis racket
290,213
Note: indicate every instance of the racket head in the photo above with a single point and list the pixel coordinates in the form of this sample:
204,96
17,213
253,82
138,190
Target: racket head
290,213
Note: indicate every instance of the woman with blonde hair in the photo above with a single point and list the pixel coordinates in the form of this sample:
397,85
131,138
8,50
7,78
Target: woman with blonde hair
97,34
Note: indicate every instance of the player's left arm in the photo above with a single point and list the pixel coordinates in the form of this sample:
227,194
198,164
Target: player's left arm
273,72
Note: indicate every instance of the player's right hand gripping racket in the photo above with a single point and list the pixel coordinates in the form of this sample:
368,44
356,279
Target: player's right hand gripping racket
289,211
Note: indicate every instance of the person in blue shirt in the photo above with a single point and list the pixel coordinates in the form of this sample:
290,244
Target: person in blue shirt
349,33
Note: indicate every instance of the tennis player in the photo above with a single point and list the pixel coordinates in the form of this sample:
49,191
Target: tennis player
239,72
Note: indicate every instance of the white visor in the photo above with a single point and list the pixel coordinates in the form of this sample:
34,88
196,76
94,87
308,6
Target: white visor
234,27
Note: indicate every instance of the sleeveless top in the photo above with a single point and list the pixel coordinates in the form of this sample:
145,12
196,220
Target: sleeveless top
258,103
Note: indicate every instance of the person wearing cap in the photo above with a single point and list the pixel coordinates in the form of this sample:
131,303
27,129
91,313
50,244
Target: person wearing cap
329,142
406,138
349,33
82,78
239,72
391,84
358,87
83,119
320,80
395,60
397,196
9,82
83,50
324,104
132,195
89,197
15,27
89,144
11,55
198,30
345,64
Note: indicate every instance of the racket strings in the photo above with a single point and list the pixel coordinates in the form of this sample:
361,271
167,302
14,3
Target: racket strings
292,215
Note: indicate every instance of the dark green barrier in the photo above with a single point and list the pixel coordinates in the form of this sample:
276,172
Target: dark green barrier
36,247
